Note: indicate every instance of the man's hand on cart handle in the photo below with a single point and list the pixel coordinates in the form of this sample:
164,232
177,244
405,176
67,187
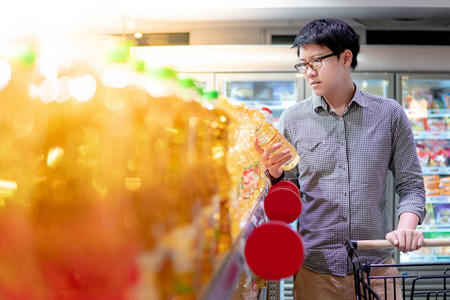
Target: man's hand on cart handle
406,238
383,244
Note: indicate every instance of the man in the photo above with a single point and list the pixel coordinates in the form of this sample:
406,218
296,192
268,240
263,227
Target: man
347,140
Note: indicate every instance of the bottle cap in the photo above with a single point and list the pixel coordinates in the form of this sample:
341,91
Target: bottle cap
137,65
119,51
200,90
23,55
266,109
187,83
211,94
163,73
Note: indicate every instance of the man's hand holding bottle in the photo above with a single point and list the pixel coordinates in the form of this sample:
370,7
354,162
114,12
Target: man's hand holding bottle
273,162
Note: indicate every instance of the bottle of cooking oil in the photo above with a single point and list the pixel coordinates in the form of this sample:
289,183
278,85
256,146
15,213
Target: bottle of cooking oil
268,136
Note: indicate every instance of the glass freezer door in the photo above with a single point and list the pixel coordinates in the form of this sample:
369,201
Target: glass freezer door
426,99
274,90
377,83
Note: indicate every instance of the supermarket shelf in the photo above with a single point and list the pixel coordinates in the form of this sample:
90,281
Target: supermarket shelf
434,228
424,258
268,103
438,199
436,170
226,275
431,135
430,113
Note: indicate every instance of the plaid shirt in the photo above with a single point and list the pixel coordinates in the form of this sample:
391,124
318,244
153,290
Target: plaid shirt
344,163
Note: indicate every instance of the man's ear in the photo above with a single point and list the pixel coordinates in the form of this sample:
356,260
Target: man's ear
347,56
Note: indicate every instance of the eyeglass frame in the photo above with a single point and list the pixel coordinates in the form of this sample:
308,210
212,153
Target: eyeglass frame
307,65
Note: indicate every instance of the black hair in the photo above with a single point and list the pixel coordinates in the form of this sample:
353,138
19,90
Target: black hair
332,33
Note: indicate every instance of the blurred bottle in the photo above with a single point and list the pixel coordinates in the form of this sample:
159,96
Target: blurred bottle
269,118
254,156
246,162
269,136
210,98
188,89
163,83
233,163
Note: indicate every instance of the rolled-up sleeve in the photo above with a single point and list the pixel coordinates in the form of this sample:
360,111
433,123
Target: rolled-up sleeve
406,168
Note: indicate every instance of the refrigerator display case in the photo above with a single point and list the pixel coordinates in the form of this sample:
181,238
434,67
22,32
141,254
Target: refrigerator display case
381,84
426,99
377,83
275,90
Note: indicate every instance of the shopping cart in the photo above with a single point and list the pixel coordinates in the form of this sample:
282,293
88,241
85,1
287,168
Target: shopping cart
412,286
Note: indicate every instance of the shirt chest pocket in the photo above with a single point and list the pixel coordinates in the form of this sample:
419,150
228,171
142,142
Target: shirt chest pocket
317,155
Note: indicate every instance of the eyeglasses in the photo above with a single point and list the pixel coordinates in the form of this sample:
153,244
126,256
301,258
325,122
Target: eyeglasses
315,63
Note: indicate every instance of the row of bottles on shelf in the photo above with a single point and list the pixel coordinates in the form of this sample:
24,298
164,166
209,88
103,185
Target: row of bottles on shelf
118,180
249,286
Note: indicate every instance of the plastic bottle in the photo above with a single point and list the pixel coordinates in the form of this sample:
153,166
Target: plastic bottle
163,83
188,89
210,98
269,136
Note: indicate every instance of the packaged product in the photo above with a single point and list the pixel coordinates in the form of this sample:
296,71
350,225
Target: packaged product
442,213
407,101
417,124
437,103
439,158
418,105
444,182
432,185
445,192
446,99
432,192
447,121
429,217
424,158
442,251
436,124
425,251
429,178
422,95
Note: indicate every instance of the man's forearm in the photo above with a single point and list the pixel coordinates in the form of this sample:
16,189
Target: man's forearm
408,220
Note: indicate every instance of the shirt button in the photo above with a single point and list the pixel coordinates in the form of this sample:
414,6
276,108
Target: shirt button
342,143
344,218
344,193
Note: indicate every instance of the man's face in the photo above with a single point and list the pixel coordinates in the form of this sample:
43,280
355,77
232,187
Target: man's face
323,80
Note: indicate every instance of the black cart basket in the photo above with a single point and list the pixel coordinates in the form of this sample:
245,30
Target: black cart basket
412,286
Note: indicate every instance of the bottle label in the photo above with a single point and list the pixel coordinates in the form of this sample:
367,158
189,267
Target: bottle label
248,178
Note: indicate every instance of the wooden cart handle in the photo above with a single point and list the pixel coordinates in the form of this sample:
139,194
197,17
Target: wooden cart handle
382,244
